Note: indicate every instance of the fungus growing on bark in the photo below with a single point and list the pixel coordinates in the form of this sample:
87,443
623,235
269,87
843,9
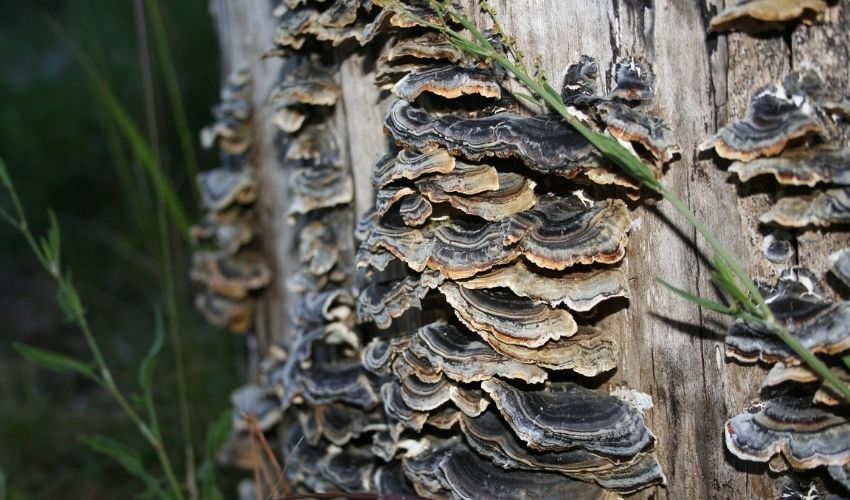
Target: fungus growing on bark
231,130
777,246
222,233
514,194
255,402
232,276
447,80
381,303
819,208
555,234
775,119
349,468
766,15
415,210
222,187
589,352
234,314
309,84
797,302
545,142
507,317
410,165
634,80
805,434
579,291
563,231
340,423
804,167
489,435
320,186
627,124
462,356
465,178
451,467
581,82
568,416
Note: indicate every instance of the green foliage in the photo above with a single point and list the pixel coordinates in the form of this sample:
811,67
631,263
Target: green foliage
82,153
54,360
129,458
748,303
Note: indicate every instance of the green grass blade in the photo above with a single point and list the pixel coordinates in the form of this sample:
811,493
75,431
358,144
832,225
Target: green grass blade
167,67
129,458
141,148
696,299
55,361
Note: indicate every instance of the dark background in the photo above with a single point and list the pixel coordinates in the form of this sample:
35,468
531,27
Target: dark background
64,152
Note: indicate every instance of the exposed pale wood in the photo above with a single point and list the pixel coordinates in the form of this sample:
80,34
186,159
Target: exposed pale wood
245,33
670,349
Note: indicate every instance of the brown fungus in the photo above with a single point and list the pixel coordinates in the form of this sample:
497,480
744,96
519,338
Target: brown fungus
509,318
457,249
803,167
796,301
555,234
234,314
255,402
449,81
388,196
429,45
320,186
515,194
341,423
223,233
567,416
380,303
411,165
462,357
223,187
629,125
579,291
766,15
318,247
232,277
805,434
452,467
563,231
775,119
545,142
820,208
589,352
415,210
465,178
489,435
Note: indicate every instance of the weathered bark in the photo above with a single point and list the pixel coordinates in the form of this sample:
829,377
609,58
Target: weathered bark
670,349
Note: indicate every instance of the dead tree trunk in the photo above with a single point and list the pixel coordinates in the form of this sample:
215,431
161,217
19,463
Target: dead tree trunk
670,349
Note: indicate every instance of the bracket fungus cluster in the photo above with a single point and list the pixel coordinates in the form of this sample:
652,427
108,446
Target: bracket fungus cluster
461,340
792,134
230,271
801,424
